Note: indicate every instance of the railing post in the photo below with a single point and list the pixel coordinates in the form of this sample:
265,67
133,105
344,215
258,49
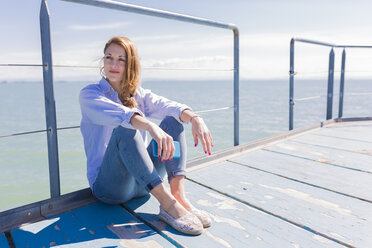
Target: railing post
330,84
291,84
342,83
236,86
50,109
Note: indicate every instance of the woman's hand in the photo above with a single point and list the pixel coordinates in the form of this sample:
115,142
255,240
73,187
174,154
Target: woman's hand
201,132
164,141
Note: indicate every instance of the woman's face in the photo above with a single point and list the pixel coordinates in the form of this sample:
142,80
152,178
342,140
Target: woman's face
114,64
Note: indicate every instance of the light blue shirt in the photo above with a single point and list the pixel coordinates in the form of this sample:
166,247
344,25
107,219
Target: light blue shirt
102,111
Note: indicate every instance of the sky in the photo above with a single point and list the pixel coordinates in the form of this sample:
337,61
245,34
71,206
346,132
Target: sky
79,32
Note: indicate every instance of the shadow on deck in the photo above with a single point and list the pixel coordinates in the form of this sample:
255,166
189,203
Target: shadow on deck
305,188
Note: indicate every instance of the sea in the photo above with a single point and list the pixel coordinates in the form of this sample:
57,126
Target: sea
264,112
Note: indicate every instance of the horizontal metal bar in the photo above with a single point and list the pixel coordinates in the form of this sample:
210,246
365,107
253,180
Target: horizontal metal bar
307,98
37,131
145,67
77,66
23,133
154,12
65,128
347,46
315,42
212,110
186,69
21,65
321,43
359,93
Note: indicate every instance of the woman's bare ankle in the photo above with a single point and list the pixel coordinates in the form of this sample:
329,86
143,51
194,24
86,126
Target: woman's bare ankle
168,202
183,201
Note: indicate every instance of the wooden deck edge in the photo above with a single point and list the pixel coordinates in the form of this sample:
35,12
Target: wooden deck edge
13,218
351,119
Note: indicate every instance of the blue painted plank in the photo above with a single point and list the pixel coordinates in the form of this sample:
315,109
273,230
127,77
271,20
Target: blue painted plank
347,159
96,225
3,241
349,182
107,221
343,218
234,224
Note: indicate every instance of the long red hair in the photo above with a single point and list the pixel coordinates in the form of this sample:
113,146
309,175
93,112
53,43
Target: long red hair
131,80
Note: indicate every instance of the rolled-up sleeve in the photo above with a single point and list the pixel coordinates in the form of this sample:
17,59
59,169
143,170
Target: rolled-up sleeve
158,107
98,109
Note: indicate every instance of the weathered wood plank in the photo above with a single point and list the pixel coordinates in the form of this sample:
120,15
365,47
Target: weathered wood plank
97,225
335,143
353,183
343,218
234,224
3,241
358,133
348,159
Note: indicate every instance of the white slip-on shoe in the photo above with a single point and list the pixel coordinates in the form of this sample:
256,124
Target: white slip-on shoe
188,224
203,216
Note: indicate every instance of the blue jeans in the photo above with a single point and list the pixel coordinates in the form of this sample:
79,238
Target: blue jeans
130,170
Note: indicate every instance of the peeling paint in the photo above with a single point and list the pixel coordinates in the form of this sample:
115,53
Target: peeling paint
39,226
323,160
338,236
226,203
91,232
205,203
57,227
308,198
218,239
296,245
259,238
131,235
297,148
322,239
229,221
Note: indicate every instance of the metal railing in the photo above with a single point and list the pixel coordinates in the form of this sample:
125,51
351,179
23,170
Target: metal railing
47,64
330,77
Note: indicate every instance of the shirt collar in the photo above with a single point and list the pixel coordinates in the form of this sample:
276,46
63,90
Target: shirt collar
105,86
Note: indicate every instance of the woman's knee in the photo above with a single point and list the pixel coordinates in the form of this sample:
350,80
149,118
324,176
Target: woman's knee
170,123
124,132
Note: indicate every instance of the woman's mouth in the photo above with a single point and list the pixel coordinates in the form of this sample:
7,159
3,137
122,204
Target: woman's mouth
114,72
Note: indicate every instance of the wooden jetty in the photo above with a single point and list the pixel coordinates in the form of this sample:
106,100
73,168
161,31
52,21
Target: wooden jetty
305,188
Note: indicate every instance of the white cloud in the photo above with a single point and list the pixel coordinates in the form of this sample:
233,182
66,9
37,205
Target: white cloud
99,26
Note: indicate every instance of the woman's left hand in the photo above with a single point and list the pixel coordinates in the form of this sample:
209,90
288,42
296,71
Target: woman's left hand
201,132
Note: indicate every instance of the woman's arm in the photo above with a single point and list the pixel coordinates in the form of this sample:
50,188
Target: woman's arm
200,130
164,141
98,109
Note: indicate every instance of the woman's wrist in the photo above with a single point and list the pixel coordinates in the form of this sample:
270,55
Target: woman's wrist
194,117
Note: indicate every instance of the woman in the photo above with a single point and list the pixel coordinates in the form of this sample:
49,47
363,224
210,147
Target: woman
114,124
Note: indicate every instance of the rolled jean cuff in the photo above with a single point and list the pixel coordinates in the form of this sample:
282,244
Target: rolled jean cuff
153,184
176,173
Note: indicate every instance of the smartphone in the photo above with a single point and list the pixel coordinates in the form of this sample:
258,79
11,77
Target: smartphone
177,151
